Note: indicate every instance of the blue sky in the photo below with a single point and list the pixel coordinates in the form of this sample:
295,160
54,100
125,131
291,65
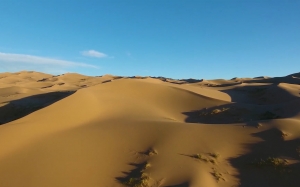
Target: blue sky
172,38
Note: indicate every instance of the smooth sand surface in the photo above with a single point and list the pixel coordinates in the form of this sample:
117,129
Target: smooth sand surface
73,130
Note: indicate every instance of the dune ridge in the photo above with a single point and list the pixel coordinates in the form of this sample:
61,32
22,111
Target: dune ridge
77,130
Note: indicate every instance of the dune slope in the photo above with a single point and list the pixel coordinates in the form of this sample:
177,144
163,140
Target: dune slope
75,130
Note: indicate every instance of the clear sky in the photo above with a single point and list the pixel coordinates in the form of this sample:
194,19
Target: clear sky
172,38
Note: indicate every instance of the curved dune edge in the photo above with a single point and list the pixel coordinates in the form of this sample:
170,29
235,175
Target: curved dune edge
75,130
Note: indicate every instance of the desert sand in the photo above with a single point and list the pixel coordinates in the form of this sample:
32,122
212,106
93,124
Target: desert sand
73,130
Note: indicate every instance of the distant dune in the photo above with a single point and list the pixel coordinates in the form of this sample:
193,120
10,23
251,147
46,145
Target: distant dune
73,130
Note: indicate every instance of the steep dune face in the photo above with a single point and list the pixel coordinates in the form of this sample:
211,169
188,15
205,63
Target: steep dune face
146,132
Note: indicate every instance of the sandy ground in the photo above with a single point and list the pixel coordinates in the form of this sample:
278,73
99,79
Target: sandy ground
73,130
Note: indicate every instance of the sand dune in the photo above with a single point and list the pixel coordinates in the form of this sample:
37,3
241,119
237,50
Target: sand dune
76,130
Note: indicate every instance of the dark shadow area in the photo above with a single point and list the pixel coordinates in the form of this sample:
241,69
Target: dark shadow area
270,163
106,81
135,177
187,155
297,75
260,95
251,104
149,152
191,80
290,79
137,77
242,113
49,79
247,94
185,184
19,108
222,85
178,81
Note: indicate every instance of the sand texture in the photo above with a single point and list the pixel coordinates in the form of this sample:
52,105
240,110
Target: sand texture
73,130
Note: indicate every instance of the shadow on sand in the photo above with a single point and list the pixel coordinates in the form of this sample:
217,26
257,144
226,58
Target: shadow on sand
185,184
138,178
242,113
134,177
19,108
250,103
273,162
265,165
